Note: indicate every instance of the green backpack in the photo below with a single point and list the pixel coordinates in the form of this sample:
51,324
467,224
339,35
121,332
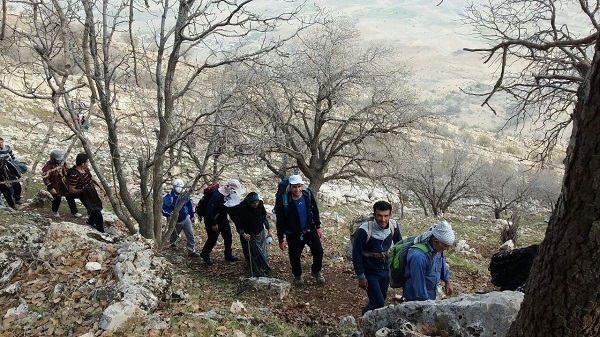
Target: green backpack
397,260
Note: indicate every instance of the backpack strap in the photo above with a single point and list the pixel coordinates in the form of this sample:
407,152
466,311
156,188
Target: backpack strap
425,249
369,230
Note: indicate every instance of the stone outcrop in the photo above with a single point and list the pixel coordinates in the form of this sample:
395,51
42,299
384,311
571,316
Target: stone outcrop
269,286
477,315
143,278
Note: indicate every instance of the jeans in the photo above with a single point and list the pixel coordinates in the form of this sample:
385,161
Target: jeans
379,283
296,246
186,226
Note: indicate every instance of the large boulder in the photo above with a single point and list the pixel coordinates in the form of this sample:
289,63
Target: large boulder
477,315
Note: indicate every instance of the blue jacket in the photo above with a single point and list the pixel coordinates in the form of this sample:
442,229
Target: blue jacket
289,222
169,202
381,240
422,280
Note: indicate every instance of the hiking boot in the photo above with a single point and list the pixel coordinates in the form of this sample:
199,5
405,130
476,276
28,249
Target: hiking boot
320,279
207,260
232,258
56,215
77,215
194,254
298,281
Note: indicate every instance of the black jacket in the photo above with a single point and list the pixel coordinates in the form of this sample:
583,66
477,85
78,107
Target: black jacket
249,220
289,222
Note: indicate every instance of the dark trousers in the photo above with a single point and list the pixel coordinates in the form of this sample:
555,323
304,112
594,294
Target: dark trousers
56,199
377,290
296,246
11,193
211,241
95,219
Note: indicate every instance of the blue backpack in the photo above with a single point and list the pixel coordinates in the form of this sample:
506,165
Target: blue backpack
281,197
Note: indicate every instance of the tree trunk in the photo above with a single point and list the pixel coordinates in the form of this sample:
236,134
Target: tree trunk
563,292
496,214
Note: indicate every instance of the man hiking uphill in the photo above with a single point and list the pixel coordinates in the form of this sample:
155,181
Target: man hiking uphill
424,270
370,254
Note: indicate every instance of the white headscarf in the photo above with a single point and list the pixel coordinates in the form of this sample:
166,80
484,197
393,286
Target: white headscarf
441,230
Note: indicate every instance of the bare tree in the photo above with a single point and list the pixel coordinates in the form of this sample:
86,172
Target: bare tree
546,187
437,176
77,47
327,102
500,186
543,57
562,289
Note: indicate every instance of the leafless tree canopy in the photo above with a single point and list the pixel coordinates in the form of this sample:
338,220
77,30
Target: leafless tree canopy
149,92
543,55
327,103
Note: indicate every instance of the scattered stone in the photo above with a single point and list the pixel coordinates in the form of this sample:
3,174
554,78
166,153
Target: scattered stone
93,266
10,270
383,332
11,289
347,322
238,333
462,246
237,307
508,245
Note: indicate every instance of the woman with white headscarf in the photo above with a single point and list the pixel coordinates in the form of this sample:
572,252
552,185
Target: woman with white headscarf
216,221
424,270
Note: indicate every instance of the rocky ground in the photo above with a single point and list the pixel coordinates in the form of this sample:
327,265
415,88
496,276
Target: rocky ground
59,297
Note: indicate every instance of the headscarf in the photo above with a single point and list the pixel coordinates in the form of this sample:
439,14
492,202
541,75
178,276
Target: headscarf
232,184
441,231
252,197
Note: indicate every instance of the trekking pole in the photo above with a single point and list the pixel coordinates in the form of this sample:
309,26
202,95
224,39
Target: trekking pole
250,258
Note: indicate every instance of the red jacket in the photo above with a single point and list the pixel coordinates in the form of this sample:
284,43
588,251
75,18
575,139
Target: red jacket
53,172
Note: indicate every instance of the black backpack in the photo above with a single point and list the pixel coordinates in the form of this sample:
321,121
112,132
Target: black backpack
510,269
207,194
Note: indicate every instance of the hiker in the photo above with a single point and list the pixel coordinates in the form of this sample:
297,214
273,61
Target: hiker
10,175
370,254
425,270
54,175
185,217
82,185
300,225
251,222
216,221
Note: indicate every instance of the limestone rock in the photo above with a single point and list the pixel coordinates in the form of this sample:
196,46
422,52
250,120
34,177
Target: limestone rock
508,245
270,286
477,315
93,266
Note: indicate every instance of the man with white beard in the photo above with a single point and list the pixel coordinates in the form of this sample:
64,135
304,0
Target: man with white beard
216,221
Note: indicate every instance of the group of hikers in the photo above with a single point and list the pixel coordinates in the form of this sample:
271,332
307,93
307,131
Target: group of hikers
298,225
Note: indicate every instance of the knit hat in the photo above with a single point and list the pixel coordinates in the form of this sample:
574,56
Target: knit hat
441,230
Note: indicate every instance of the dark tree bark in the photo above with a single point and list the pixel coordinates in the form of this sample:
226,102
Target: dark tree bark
563,292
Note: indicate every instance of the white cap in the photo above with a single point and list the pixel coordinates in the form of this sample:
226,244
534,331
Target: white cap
296,179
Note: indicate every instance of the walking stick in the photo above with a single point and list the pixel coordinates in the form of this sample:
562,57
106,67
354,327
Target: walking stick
250,258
